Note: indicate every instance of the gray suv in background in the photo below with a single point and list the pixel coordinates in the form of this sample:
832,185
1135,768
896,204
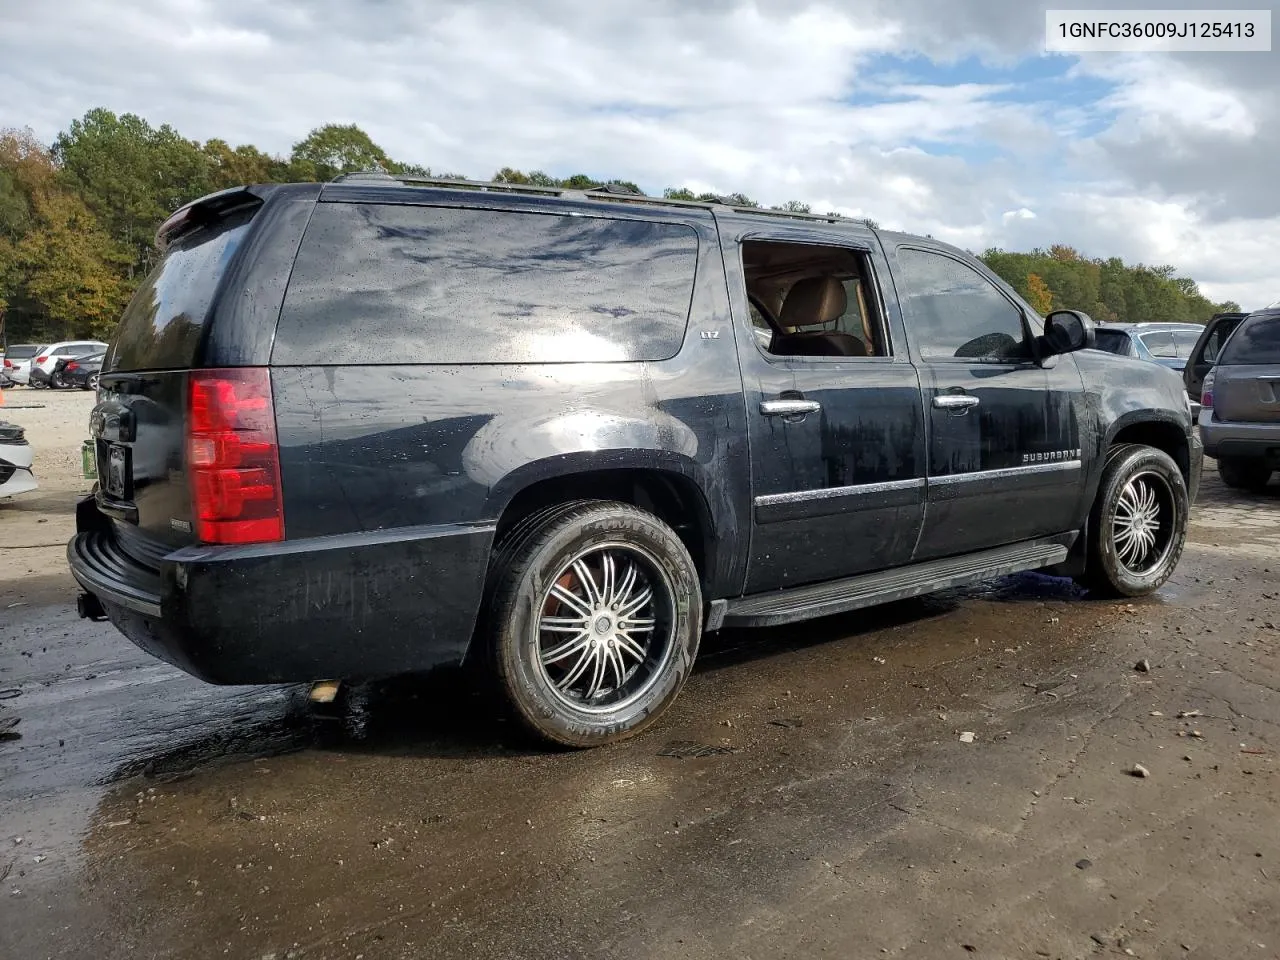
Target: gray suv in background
1240,403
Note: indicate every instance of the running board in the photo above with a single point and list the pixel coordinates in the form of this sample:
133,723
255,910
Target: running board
840,596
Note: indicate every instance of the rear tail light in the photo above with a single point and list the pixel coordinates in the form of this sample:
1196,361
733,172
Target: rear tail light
233,457
41,359
72,366
1206,391
8,364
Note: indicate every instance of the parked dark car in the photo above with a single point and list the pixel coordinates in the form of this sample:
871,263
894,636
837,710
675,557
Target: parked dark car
365,428
1205,352
80,372
1240,417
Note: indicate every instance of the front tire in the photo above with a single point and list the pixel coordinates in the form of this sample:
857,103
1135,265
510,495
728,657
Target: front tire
593,622
1138,525
1241,473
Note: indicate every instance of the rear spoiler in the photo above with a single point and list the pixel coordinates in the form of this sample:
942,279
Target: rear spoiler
208,209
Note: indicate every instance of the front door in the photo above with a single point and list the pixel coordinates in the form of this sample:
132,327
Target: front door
834,412
1005,451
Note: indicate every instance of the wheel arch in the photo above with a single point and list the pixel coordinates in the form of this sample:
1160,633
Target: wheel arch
1152,429
662,484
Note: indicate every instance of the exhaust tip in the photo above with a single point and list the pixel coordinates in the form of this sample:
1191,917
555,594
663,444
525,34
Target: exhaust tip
90,608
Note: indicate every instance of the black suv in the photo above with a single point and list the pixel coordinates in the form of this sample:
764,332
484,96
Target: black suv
368,427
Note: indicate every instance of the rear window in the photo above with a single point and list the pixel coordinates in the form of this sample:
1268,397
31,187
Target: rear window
1159,344
1112,341
21,351
382,283
1185,340
161,326
1256,341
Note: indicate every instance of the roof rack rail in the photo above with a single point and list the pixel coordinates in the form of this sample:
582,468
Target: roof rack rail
609,192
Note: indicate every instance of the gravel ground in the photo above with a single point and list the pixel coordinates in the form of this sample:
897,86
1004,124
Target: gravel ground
947,777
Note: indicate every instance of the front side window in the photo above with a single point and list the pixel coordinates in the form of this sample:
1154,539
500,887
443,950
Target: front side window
956,313
391,283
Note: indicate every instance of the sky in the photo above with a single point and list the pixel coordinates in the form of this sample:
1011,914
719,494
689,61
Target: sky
931,116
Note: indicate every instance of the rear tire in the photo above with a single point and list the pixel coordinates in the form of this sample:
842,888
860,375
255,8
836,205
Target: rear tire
593,621
1242,473
1138,524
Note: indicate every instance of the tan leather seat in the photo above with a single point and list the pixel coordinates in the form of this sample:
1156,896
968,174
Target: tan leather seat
815,301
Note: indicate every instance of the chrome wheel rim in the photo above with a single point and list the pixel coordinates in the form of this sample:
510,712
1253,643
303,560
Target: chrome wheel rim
606,628
1142,529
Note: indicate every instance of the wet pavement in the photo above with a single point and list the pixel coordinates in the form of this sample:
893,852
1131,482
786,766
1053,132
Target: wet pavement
810,794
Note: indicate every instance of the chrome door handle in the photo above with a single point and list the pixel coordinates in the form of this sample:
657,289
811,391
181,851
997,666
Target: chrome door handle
954,401
789,408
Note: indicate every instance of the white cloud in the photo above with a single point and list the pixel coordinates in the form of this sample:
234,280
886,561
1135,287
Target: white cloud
774,98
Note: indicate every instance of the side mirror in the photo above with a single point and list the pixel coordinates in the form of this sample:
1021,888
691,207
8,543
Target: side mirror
1066,331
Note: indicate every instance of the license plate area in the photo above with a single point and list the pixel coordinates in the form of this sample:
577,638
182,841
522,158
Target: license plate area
115,471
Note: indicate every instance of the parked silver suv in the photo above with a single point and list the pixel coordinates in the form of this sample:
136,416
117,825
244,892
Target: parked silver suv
1240,403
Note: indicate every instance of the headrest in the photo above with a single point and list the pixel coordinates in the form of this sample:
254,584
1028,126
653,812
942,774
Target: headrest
814,300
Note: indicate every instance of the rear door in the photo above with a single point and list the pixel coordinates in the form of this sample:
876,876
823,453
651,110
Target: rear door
1205,353
138,425
837,440
1247,378
1004,450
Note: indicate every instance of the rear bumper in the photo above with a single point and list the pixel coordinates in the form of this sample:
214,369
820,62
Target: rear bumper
1253,440
351,607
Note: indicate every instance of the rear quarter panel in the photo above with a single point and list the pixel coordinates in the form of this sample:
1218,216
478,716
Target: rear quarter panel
375,447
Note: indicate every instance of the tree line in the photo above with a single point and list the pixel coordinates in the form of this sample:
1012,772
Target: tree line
78,218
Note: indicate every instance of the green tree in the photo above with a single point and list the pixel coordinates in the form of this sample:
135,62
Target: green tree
130,175
334,149
793,206
239,166
59,270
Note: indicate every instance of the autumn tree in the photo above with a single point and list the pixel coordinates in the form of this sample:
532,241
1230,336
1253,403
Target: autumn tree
1038,294
60,272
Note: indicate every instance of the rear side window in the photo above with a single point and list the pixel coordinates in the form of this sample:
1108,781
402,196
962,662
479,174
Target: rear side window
385,283
1112,341
161,327
1257,341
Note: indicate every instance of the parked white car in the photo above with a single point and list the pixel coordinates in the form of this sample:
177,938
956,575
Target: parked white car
15,461
48,356
17,361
